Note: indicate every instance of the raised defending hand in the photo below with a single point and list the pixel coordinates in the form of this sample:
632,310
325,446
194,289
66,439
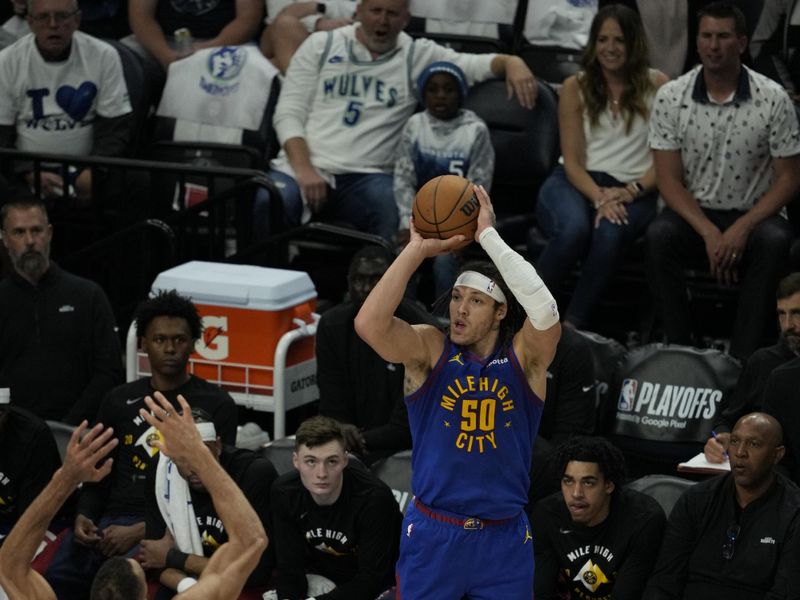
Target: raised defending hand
85,451
181,440
486,217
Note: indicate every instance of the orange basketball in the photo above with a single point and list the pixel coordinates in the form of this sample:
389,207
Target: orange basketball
446,206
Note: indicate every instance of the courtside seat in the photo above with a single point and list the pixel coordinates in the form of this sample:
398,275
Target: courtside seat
279,452
607,355
664,402
526,150
665,489
395,472
551,63
140,94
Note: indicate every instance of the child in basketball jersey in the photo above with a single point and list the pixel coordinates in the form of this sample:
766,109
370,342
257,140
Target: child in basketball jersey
444,139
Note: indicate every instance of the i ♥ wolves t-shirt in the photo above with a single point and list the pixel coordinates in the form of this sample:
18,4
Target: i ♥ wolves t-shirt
53,105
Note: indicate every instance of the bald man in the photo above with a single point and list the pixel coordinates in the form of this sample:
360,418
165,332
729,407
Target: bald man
736,535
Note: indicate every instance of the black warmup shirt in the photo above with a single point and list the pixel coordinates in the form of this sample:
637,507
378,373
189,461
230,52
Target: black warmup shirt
59,349
122,492
254,475
611,560
766,555
354,542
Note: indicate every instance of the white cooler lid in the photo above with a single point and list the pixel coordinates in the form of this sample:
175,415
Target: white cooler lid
244,286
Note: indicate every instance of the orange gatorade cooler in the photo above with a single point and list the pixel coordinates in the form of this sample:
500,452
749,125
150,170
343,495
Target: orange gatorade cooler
258,332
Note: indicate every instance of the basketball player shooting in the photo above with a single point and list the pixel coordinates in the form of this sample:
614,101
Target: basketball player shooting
475,398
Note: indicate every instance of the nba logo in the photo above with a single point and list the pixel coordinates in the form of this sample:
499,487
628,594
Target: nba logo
627,394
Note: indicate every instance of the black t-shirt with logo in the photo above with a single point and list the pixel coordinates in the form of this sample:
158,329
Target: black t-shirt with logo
354,542
254,475
123,491
612,559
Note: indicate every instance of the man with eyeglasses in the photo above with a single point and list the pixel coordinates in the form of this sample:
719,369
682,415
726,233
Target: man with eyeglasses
737,535
62,91
110,518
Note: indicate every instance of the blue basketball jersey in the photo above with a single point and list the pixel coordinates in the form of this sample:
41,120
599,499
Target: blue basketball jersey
473,423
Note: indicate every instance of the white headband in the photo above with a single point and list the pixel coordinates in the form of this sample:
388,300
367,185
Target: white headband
208,433
480,282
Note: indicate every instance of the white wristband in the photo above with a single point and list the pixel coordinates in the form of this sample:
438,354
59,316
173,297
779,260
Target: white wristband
185,583
522,279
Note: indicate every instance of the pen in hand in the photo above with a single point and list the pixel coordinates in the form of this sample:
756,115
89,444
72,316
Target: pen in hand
724,452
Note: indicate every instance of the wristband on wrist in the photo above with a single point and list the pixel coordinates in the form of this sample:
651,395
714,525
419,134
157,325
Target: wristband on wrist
185,583
176,559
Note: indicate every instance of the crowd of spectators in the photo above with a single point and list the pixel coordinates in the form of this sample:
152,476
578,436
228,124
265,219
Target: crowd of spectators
701,167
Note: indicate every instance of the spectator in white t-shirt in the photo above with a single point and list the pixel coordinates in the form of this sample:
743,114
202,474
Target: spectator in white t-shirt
62,91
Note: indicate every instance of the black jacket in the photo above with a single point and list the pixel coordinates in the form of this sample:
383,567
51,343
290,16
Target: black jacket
766,552
59,348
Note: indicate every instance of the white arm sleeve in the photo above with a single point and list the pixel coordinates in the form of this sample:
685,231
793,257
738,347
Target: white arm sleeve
522,279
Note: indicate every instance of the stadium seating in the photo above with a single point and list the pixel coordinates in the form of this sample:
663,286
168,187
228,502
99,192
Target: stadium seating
665,489
662,406
526,150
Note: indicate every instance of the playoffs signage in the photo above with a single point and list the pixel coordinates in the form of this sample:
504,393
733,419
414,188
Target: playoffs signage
672,393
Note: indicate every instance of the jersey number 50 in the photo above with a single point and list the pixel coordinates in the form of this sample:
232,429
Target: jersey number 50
478,413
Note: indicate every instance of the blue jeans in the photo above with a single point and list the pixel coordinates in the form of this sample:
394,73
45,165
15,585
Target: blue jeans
74,566
566,217
362,200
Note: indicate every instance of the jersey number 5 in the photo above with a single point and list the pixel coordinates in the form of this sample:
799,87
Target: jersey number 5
353,112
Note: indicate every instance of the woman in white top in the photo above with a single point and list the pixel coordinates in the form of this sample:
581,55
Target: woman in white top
603,194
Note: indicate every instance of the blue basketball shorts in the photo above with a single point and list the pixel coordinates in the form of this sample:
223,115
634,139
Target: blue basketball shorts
449,557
